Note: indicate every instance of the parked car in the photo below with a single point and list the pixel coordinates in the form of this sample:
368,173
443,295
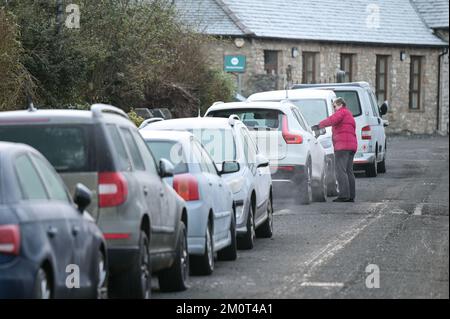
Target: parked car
315,106
229,140
43,232
209,201
372,144
283,135
143,219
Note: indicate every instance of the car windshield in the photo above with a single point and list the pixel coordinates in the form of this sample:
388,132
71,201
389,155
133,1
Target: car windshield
254,118
172,151
352,100
65,147
313,110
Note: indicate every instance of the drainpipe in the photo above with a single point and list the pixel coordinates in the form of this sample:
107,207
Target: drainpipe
438,111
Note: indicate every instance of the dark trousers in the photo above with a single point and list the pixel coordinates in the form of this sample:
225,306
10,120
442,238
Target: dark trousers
344,173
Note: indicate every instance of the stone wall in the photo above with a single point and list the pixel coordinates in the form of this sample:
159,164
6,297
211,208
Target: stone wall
401,118
444,107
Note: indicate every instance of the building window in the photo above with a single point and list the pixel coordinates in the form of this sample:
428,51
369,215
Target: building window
309,67
415,82
382,79
271,62
347,66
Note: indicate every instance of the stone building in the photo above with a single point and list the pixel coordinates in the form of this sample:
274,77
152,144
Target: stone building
387,43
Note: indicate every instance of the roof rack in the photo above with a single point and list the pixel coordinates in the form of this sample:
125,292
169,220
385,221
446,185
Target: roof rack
149,121
98,110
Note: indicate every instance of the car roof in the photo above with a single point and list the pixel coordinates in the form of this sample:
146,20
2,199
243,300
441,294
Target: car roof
176,136
190,123
292,94
283,105
11,148
331,85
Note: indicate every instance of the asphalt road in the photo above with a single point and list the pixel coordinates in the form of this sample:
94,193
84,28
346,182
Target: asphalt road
399,223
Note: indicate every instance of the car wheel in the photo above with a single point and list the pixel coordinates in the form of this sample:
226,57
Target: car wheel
102,277
372,169
332,184
135,283
175,278
266,229
320,193
382,166
230,253
204,265
305,196
247,241
42,286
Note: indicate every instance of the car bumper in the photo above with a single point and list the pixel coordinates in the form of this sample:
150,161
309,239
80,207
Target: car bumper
17,279
362,159
198,215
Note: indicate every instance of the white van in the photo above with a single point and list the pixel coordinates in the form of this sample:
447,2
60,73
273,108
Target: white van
361,100
315,106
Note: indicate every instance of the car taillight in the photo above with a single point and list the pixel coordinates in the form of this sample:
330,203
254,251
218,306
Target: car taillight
9,239
186,186
366,133
289,137
112,189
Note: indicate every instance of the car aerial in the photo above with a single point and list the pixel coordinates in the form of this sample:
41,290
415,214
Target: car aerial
142,218
43,233
229,140
315,106
281,133
209,201
361,101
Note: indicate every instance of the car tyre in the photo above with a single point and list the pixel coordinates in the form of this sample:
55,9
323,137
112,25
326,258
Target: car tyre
266,229
175,278
230,253
305,196
42,286
204,265
102,276
247,241
372,169
382,166
320,193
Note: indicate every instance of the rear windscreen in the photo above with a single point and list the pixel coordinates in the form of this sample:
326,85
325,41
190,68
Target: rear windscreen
313,110
352,100
65,147
254,118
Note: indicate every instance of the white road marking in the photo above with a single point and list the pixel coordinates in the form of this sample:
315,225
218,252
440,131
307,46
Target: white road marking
418,210
323,284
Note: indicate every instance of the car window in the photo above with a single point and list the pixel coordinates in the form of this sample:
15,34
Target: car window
29,180
266,119
373,102
352,100
249,149
69,148
55,187
171,151
199,156
313,110
146,153
207,160
124,161
219,143
299,119
133,149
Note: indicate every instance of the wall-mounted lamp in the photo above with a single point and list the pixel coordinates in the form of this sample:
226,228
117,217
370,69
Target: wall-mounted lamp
239,42
294,52
402,55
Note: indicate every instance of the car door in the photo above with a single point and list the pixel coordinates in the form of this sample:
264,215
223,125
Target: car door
378,126
168,214
84,244
51,217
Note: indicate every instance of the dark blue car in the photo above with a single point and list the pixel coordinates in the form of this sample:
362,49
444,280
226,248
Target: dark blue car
49,246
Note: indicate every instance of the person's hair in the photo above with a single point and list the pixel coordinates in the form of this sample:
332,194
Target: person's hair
339,101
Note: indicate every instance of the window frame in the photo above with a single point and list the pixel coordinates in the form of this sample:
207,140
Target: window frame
350,71
384,90
419,59
274,66
305,56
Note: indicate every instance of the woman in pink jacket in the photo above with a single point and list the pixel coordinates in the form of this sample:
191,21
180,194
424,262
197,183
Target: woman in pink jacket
345,146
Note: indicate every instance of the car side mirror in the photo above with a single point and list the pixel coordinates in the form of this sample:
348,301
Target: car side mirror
166,168
385,123
384,108
82,197
261,161
229,167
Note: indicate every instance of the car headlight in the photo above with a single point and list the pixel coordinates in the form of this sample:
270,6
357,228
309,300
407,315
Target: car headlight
236,184
326,142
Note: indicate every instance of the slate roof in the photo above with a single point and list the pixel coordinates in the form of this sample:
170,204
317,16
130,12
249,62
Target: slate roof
434,12
353,21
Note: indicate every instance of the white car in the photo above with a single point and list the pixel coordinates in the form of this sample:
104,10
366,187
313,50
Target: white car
361,101
315,106
281,133
209,202
229,140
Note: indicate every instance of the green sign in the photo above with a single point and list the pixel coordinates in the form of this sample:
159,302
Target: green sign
235,63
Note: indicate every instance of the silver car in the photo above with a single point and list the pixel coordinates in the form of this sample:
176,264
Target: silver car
209,201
